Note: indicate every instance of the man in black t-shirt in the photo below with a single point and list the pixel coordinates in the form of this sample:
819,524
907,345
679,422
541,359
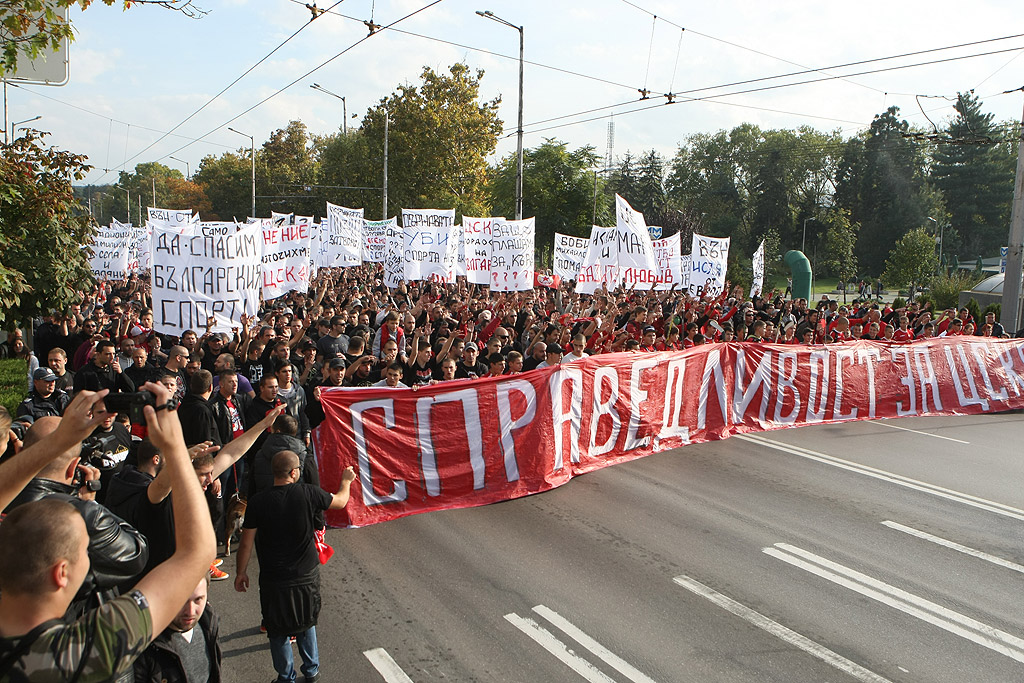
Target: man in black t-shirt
469,367
280,523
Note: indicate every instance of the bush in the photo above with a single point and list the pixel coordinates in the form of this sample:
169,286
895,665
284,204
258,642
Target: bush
974,308
13,383
993,308
898,303
945,289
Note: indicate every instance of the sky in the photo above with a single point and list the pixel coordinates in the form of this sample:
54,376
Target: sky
137,74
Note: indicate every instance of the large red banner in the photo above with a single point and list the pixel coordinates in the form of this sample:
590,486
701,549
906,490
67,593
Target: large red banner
472,442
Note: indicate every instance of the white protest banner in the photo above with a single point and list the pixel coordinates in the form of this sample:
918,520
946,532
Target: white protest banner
477,235
211,228
280,218
375,240
394,259
670,267
110,255
169,218
459,269
709,259
568,255
430,245
140,258
599,265
512,249
195,277
345,234
633,242
684,267
285,259
758,263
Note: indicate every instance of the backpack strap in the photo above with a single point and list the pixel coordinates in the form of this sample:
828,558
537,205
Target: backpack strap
10,658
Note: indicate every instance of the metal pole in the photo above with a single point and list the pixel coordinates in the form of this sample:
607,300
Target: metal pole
519,136
128,204
154,193
139,198
7,140
1010,309
252,158
344,117
384,211
803,243
595,198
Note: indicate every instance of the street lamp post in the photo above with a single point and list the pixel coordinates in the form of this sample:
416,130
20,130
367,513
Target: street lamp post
188,172
252,156
15,124
942,229
344,106
487,14
128,201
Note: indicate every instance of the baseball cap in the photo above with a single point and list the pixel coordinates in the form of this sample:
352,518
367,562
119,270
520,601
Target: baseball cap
470,347
44,374
336,363
554,348
649,328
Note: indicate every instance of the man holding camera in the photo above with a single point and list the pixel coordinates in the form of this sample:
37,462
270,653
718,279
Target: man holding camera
104,372
45,558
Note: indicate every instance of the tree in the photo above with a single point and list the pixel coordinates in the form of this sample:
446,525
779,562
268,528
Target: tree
350,172
649,195
976,178
227,183
286,173
439,137
42,229
882,185
839,257
558,188
912,260
33,28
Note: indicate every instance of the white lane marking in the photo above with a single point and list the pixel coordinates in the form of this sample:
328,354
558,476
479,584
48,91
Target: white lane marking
386,666
779,631
908,429
955,546
609,657
908,603
900,480
559,649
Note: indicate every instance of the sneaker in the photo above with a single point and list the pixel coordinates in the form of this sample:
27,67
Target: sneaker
218,562
216,574
263,629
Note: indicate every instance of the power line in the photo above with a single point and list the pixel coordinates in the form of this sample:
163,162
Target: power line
491,53
782,85
375,29
226,88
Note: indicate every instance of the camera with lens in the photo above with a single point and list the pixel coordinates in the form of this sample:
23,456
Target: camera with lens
130,403
97,451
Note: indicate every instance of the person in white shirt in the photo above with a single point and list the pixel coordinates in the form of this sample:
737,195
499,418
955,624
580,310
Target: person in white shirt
579,342
392,377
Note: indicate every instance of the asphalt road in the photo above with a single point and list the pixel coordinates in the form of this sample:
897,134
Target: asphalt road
872,551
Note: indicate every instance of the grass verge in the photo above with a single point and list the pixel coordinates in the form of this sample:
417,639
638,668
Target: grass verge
13,383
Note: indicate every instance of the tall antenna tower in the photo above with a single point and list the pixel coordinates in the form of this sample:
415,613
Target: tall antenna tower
610,145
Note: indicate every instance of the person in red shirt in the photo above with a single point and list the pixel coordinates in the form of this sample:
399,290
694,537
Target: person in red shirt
904,333
647,342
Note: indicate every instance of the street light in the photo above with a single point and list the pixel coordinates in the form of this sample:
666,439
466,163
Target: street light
128,202
15,124
487,14
188,173
252,156
344,105
803,242
942,228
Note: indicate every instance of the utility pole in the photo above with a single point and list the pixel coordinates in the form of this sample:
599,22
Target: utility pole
154,190
384,211
1010,309
252,157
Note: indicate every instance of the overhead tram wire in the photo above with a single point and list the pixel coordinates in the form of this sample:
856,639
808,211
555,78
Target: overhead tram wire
674,95
777,87
378,30
481,50
226,88
111,119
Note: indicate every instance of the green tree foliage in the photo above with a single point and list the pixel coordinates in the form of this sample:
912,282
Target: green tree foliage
227,183
439,137
840,243
704,178
558,188
42,229
976,178
912,261
945,289
351,173
286,173
881,183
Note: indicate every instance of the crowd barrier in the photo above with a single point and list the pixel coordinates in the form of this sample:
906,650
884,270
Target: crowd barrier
473,442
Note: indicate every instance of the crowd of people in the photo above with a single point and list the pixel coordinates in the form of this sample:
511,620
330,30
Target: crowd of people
228,417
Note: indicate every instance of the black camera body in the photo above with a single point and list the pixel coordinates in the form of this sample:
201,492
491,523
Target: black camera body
132,404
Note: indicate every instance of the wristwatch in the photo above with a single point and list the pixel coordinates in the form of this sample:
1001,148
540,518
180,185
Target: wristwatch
93,485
